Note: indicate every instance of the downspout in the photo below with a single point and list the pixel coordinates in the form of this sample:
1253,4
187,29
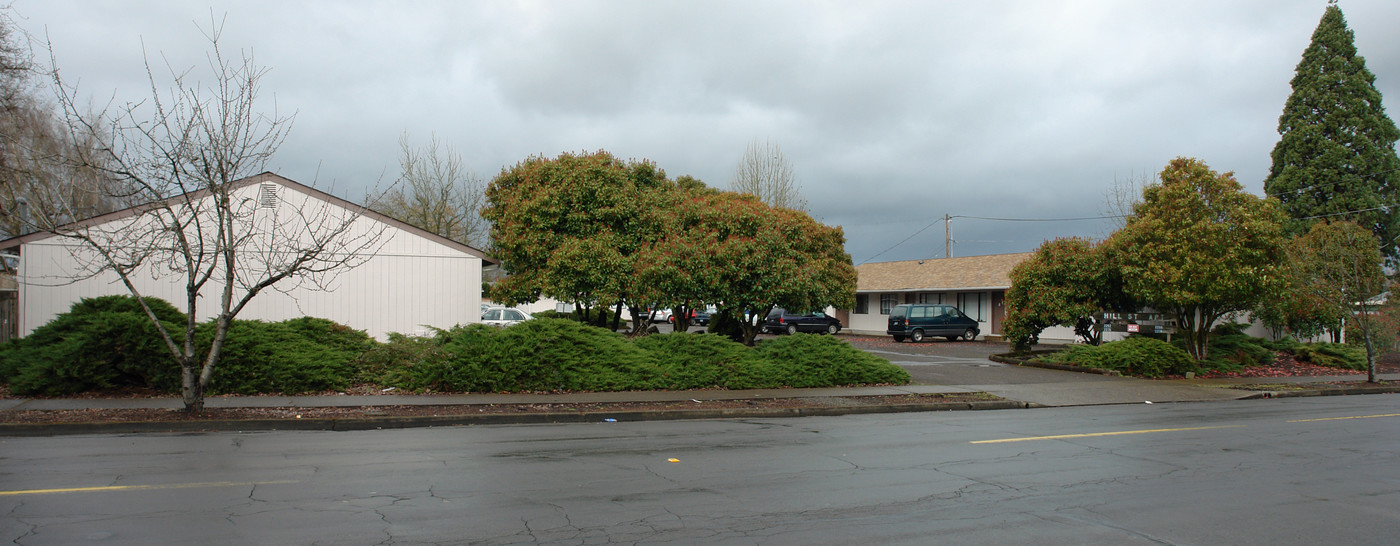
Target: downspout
23,205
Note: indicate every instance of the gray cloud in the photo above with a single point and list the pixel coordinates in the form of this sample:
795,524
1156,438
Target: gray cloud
893,113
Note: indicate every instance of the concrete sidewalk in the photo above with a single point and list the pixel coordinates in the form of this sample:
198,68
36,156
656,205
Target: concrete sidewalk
1076,389
328,401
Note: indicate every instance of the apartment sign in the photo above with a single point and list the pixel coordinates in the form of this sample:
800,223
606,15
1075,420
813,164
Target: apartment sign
1138,323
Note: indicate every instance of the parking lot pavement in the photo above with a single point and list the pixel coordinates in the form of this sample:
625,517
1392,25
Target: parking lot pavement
965,365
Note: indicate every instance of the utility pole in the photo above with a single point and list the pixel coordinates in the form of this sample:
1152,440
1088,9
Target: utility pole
947,236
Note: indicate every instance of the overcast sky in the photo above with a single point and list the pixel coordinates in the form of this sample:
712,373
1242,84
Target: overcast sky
892,113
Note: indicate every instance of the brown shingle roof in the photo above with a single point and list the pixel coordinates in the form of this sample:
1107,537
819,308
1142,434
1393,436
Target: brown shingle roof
939,274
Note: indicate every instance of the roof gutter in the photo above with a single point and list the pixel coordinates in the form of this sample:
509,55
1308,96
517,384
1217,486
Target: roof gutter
910,290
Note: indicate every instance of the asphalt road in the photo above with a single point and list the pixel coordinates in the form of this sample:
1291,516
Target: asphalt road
1287,471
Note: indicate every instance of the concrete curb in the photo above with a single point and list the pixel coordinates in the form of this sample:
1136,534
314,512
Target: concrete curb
1304,393
380,423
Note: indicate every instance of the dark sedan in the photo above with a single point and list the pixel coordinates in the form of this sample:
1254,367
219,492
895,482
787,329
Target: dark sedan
702,318
781,321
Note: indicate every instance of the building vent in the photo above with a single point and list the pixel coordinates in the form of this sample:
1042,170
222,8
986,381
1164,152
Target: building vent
267,196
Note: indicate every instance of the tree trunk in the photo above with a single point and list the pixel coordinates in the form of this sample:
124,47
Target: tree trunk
190,389
637,319
679,320
1370,359
750,332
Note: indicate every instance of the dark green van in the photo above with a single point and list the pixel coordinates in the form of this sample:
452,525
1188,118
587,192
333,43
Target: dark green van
917,320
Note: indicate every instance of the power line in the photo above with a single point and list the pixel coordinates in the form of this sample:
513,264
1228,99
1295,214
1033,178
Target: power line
1296,191
1344,213
931,224
1087,217
906,239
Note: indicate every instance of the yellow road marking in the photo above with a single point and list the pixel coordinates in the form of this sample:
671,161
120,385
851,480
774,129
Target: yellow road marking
136,487
1341,418
1094,434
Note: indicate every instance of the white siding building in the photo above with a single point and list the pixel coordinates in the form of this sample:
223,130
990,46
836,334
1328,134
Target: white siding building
405,281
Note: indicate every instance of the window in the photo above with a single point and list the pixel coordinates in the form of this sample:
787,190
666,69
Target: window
971,305
918,311
511,314
934,298
886,302
862,304
493,314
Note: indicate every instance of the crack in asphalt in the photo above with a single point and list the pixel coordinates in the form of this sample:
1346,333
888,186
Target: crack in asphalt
1098,522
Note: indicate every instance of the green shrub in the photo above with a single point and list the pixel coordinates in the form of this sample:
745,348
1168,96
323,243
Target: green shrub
278,357
1332,355
418,363
332,334
99,343
538,355
398,362
1139,356
1239,350
819,361
696,361
550,313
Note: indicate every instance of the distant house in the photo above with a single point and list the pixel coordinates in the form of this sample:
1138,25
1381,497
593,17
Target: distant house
975,284
9,298
413,280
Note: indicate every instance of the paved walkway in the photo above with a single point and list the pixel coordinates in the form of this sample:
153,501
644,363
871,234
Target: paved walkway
1075,389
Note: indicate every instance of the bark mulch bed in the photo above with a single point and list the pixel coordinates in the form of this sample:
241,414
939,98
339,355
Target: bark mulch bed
1286,366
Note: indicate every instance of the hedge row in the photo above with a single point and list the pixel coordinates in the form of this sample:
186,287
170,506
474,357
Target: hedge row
109,342
1230,350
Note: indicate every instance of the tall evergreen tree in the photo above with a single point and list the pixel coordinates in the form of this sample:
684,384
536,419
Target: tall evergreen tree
1336,155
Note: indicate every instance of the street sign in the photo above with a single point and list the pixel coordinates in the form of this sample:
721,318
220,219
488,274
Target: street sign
1138,323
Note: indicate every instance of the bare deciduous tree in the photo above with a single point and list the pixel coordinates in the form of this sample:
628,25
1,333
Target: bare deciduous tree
436,193
190,153
767,174
38,187
1119,200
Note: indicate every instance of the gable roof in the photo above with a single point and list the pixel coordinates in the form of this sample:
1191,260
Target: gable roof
15,242
966,273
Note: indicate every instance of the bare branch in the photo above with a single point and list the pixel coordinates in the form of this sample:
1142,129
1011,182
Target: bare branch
192,153
767,174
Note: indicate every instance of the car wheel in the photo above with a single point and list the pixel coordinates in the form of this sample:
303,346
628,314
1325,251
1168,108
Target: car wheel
899,339
671,320
831,329
969,335
916,336
792,329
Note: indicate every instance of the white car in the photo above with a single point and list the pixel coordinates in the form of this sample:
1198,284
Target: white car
504,316
661,315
